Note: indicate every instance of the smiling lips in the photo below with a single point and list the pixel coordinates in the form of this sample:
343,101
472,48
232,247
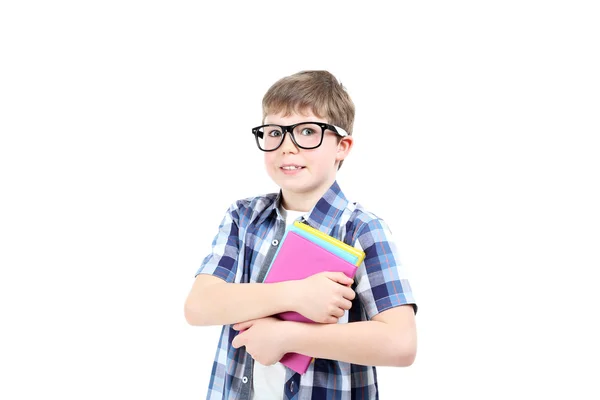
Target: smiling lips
291,168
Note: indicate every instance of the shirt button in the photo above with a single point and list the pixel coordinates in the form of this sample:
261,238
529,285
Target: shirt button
245,379
292,387
275,242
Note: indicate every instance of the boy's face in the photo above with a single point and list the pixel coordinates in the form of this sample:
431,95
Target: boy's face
301,172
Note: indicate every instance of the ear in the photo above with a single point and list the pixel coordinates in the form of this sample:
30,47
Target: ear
344,147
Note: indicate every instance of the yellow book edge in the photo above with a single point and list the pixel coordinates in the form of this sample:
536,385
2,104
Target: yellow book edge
330,239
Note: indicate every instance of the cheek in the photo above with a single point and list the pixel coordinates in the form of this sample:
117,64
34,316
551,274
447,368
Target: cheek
270,162
268,158
326,157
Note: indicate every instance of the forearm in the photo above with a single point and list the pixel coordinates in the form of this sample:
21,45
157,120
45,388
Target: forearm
366,343
228,303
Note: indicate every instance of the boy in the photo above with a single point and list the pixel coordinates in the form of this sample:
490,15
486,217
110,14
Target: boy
361,323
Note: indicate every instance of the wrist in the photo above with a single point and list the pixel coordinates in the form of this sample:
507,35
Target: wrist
289,295
293,336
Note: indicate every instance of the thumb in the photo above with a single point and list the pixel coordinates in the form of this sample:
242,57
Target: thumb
238,341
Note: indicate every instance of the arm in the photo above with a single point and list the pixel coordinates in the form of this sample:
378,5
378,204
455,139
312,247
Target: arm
212,301
389,339
322,297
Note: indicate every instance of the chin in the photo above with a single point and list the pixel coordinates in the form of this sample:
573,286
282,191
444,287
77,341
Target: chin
293,186
297,184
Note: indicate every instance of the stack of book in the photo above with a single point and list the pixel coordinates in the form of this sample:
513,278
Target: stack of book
303,252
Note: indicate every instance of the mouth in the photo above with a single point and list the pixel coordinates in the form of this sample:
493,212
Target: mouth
291,167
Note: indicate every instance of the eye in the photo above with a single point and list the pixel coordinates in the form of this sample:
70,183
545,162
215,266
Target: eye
307,132
273,132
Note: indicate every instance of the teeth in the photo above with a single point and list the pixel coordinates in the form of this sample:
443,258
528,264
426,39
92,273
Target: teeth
290,168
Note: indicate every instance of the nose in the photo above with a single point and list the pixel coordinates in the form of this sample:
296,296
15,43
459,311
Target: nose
288,145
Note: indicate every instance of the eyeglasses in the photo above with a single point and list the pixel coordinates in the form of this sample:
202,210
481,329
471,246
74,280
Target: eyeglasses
305,135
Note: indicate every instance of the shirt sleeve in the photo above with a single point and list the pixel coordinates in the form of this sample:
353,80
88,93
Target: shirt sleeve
222,261
382,282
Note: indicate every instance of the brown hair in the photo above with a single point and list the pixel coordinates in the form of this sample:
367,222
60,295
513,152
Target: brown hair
317,91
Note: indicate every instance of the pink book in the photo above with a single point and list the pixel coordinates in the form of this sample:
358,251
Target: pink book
298,258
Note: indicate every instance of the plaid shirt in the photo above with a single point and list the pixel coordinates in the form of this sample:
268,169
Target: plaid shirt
242,251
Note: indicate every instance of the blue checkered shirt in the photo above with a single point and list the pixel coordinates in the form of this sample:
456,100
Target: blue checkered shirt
242,251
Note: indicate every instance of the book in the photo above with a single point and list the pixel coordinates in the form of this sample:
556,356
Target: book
303,252
330,243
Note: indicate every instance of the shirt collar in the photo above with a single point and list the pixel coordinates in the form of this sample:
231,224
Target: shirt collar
273,207
326,213
323,216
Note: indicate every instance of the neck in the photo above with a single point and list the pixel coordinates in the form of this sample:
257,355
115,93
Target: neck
303,201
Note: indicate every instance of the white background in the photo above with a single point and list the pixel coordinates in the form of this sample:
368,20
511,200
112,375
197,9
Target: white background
125,135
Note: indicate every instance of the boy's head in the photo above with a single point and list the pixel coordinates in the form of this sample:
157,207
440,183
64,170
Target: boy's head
315,91
303,158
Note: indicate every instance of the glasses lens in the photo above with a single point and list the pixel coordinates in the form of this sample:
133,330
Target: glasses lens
308,135
269,137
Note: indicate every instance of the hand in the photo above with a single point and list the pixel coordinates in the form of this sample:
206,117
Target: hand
324,297
264,339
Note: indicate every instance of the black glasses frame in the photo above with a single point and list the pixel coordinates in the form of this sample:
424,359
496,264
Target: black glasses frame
290,128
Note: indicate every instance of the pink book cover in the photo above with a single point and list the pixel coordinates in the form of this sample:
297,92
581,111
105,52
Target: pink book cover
299,258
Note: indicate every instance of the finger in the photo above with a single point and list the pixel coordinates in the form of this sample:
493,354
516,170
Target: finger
339,277
348,294
331,320
345,304
338,312
240,326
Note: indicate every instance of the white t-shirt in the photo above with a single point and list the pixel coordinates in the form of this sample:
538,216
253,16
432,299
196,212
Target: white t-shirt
269,381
